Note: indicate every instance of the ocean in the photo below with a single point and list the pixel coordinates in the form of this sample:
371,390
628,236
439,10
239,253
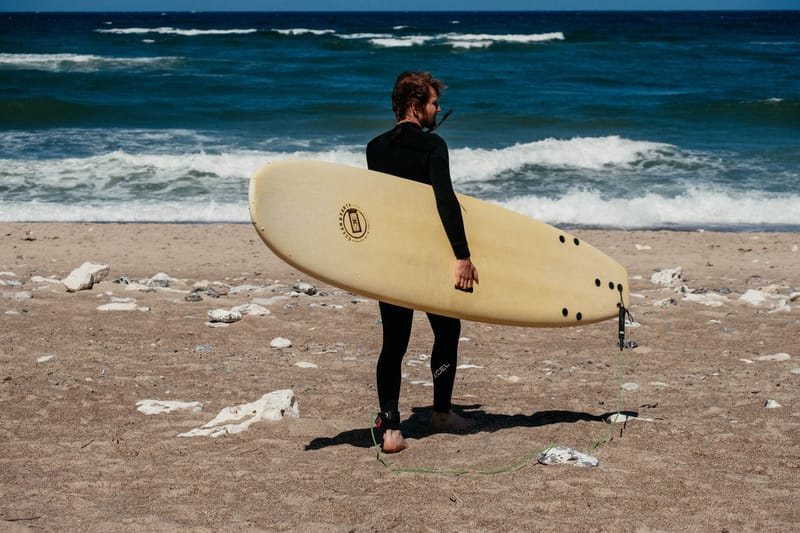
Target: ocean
632,120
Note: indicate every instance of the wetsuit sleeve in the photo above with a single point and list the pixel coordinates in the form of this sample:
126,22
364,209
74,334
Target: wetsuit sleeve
446,201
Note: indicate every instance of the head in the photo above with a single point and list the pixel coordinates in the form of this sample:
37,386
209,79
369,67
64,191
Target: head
416,97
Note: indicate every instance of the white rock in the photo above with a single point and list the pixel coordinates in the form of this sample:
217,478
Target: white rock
775,357
161,278
468,366
305,364
40,279
667,277
768,297
273,406
122,306
21,296
252,309
643,247
772,404
85,276
711,299
796,371
305,288
565,455
631,387
226,316
45,358
157,407
280,342
244,288
269,301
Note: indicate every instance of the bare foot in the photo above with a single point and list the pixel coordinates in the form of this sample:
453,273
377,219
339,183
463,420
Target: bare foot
393,441
450,422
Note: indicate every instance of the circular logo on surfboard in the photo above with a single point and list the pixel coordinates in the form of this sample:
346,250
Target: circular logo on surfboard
353,223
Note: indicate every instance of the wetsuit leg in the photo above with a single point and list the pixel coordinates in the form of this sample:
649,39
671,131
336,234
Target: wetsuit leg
396,334
446,332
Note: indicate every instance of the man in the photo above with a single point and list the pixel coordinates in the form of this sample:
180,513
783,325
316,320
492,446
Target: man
410,152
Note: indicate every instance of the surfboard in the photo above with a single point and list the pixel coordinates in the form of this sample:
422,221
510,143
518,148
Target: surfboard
380,236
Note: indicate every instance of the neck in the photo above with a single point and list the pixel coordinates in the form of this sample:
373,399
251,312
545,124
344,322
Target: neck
409,120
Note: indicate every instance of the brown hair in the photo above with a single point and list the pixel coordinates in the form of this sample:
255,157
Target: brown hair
413,88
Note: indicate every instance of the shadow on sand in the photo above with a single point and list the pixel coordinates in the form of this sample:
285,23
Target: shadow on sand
416,427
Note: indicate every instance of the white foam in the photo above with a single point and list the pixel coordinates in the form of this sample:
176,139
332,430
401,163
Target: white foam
483,40
591,181
81,62
456,40
697,207
588,153
177,31
303,31
401,42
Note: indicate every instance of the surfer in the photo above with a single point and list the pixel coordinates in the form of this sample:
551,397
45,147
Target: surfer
411,152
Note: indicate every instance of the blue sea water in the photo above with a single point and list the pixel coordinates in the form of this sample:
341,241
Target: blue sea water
597,119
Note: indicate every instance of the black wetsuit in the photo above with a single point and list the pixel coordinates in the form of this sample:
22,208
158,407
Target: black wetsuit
409,152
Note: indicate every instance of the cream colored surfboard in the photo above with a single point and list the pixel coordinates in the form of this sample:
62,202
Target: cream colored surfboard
380,236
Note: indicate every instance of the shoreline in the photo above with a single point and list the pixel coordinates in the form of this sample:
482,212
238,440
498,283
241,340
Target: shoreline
704,452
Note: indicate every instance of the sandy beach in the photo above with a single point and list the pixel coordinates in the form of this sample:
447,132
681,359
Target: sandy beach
713,382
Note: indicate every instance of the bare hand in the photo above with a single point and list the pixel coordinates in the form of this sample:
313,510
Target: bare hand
466,274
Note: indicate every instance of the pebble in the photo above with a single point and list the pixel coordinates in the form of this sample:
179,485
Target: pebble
45,358
122,306
305,364
772,404
280,342
193,297
305,288
226,316
40,279
631,387
21,296
796,371
775,357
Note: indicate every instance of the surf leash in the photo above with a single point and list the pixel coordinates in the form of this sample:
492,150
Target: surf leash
624,314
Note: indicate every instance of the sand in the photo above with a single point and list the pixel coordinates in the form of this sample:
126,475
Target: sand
77,455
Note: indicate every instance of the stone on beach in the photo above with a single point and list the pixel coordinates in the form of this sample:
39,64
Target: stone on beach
280,342
272,406
122,306
85,276
769,297
157,407
774,357
667,277
225,316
